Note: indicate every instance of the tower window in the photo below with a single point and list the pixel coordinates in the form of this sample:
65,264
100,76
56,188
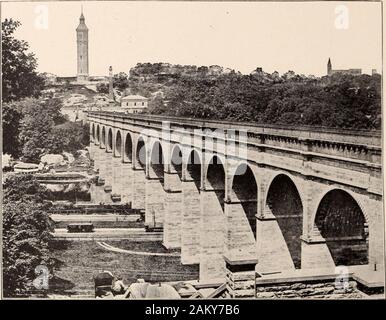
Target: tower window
80,57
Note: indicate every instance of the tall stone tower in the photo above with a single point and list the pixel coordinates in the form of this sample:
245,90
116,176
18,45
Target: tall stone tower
82,49
111,91
329,67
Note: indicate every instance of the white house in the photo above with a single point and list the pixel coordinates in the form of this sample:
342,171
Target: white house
134,103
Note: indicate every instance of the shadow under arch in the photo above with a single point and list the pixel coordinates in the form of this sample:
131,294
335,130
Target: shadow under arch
244,189
157,162
93,132
215,177
140,153
110,140
176,160
118,144
128,151
193,168
284,201
103,138
97,134
343,225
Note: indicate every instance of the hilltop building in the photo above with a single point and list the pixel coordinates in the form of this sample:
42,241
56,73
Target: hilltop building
330,71
134,104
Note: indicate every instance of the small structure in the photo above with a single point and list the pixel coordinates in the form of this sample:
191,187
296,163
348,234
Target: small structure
134,103
103,282
26,167
80,227
111,92
330,71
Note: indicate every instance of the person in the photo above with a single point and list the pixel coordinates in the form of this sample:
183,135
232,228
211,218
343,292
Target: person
118,286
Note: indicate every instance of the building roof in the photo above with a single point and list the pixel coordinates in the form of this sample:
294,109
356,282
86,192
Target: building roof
134,97
82,25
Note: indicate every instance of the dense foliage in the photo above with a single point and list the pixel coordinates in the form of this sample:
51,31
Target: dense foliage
120,82
339,101
26,233
32,127
20,78
36,127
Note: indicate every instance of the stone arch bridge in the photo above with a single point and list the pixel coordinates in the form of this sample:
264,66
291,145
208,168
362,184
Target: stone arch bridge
235,197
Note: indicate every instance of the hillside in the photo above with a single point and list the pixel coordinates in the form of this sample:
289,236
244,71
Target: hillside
338,101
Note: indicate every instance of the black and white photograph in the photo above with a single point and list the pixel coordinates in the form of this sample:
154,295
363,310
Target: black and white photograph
192,150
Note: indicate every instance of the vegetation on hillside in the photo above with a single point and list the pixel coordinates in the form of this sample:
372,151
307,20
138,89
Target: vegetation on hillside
20,78
35,127
26,233
32,126
339,101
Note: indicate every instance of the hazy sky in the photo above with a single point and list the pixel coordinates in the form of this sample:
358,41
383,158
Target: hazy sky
239,35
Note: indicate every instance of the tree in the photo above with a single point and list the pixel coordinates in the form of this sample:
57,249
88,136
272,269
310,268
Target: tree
120,81
102,88
11,122
339,101
20,78
70,137
36,129
35,132
26,233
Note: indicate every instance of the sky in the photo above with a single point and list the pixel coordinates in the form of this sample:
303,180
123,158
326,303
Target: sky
238,35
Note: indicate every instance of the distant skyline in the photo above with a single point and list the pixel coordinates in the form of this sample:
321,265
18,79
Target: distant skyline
237,35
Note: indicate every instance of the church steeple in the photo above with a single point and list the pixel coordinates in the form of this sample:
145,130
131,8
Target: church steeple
329,67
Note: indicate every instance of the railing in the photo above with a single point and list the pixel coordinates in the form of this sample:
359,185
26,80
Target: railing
231,124
349,136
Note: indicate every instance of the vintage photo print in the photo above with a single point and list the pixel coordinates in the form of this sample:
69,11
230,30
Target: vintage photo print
192,150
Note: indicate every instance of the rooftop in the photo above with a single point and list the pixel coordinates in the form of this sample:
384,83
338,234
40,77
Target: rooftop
134,97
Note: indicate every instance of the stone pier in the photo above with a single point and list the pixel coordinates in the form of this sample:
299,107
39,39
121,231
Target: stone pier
212,237
172,211
191,223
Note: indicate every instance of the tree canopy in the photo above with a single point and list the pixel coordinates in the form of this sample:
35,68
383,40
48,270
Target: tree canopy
20,78
338,101
26,233
35,127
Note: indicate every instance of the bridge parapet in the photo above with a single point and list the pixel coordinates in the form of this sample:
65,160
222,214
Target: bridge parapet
362,146
351,158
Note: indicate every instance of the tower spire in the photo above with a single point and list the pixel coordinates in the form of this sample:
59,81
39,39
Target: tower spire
329,67
81,13
82,48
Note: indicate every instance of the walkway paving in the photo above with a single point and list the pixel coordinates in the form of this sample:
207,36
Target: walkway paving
94,217
135,234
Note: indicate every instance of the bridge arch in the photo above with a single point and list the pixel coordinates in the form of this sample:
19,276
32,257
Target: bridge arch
284,201
103,137
118,144
191,156
157,161
192,166
176,159
141,153
215,178
109,146
344,224
98,138
93,132
128,149
243,188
